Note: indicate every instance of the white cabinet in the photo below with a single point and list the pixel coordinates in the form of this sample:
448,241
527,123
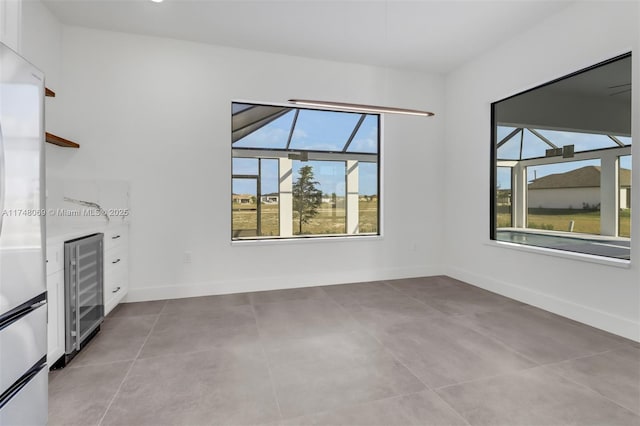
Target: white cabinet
116,266
116,279
55,302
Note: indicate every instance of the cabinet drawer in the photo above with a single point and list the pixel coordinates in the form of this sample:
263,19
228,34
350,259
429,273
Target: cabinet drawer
22,344
116,237
116,276
118,287
115,257
116,284
55,258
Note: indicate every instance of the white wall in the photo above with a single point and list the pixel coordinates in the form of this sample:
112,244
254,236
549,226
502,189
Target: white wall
10,19
156,112
605,296
41,35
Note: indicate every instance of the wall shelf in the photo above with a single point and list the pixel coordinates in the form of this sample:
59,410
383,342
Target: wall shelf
50,137
57,140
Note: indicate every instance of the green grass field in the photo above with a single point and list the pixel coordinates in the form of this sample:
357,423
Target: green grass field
587,222
332,221
328,221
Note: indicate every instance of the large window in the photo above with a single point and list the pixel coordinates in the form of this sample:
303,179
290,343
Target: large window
300,172
561,163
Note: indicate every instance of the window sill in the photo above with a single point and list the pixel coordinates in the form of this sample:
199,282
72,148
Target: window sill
607,261
305,240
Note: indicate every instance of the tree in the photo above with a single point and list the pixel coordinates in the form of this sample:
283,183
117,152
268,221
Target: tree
306,196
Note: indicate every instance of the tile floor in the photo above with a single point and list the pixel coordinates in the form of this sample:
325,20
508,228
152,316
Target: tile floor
422,351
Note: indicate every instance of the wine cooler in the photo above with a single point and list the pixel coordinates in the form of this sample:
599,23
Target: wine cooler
84,299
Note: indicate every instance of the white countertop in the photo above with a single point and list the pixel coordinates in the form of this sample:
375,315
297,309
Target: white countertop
60,233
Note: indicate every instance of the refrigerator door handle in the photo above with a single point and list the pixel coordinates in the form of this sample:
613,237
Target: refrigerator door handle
22,382
38,304
2,178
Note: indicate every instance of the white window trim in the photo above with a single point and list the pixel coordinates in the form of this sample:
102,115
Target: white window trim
582,257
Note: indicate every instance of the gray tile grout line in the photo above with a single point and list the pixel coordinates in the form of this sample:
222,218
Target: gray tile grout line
480,379
539,364
445,315
387,350
393,356
575,358
451,406
454,315
187,351
505,344
266,360
433,390
168,354
97,337
327,297
373,401
183,352
594,391
492,338
546,366
577,324
524,369
115,395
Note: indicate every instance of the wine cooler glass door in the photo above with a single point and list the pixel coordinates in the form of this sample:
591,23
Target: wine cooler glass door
84,289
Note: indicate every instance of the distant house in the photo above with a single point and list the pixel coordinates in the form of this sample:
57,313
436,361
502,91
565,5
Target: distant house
270,198
243,199
368,198
576,189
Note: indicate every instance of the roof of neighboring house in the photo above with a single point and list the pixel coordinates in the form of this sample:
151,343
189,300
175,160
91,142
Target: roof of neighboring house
584,177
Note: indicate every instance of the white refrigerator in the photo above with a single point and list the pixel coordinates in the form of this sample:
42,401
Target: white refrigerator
23,308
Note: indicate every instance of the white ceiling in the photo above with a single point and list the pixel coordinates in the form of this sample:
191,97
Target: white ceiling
434,36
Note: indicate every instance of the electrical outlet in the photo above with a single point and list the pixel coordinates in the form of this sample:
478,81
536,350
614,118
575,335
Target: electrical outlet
186,257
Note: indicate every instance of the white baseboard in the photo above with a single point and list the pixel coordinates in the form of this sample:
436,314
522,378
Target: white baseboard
584,314
209,288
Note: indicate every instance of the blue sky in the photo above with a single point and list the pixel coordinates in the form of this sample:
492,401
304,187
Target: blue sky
315,130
